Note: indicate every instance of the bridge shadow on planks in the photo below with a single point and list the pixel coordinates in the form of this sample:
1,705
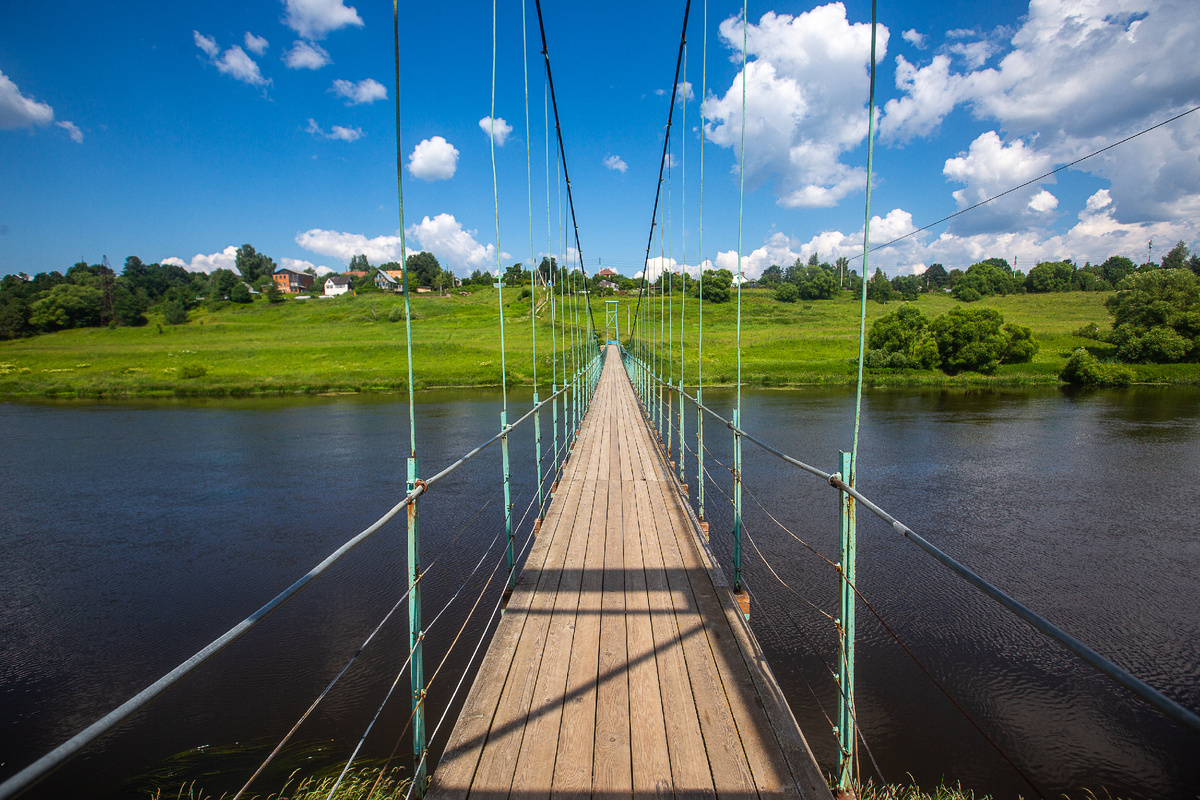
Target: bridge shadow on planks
622,666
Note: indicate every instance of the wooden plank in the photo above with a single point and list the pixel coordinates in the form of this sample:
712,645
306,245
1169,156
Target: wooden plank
730,769
757,680
535,763
651,762
690,771
612,774
573,764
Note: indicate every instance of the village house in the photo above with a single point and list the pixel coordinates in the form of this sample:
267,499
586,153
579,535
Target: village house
386,282
337,284
289,281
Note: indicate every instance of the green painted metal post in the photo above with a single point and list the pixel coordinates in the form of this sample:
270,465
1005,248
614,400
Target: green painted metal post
554,420
508,526
700,454
846,631
416,635
737,503
537,438
682,449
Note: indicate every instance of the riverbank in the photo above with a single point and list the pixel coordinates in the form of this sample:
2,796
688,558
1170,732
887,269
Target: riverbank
357,345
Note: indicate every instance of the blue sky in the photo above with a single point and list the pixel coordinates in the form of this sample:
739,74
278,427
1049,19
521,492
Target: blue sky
180,131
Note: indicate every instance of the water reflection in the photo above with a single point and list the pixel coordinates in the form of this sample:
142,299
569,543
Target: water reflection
136,533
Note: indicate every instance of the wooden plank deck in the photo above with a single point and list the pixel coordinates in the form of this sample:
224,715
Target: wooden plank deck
622,667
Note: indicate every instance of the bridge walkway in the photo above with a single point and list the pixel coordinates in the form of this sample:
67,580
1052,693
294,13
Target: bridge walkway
623,667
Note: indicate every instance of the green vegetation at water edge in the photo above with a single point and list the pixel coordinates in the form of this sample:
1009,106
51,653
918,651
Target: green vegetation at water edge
360,784
357,344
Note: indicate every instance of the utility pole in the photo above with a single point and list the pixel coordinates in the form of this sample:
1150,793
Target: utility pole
108,310
1149,249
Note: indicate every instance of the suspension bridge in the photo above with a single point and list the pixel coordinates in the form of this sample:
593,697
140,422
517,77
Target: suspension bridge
623,664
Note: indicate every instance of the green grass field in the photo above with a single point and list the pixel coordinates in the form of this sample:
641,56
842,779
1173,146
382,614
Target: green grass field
348,344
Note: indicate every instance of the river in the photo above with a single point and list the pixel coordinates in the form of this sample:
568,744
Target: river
134,533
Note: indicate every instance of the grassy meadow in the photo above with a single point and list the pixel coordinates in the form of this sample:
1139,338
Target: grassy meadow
351,344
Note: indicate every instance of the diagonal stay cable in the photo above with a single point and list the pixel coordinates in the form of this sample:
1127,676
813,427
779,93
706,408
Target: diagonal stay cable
283,742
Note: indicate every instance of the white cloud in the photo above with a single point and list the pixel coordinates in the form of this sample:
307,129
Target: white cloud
233,62
616,163
806,91
1078,75
441,235
914,38
256,44
72,130
306,55
989,168
236,64
364,92
226,259
344,246
315,19
206,43
336,132
19,111
975,54
1043,201
454,247
502,129
670,161
434,159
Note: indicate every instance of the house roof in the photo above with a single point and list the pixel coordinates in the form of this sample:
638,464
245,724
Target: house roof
385,276
339,280
286,271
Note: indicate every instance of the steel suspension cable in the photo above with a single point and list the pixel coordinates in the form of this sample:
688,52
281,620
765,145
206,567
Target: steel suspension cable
700,288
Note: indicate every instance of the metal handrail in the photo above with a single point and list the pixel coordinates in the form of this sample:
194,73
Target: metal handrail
1177,713
35,772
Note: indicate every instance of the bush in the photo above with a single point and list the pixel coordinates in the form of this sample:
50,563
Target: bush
1089,331
192,371
1156,317
902,340
978,340
396,314
174,313
965,293
787,293
1084,369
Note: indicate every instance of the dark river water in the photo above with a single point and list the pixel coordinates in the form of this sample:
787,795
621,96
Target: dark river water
134,534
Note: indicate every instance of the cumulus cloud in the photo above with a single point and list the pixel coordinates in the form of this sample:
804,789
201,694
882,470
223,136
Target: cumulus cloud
315,19
914,38
72,130
806,90
1076,76
226,259
256,44
989,168
502,129
616,163
306,55
434,159
234,62
364,92
454,247
336,132
19,111
441,235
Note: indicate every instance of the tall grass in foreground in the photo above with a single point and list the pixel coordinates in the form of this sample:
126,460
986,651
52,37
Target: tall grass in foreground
362,784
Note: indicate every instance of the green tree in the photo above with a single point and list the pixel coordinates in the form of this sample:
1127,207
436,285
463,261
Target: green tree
514,275
772,276
879,288
67,305
1177,258
907,286
252,265
717,285
1051,276
423,269
1084,369
817,283
902,339
273,294
222,282
359,263
1156,317
240,293
935,276
1115,268
986,278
